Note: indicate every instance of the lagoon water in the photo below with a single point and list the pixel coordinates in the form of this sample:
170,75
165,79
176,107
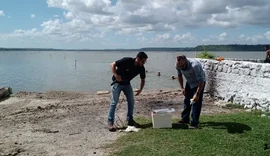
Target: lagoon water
55,70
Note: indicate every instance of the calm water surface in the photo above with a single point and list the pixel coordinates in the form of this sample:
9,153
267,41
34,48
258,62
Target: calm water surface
56,70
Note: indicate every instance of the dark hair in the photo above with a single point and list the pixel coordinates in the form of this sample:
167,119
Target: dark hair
181,57
142,55
266,47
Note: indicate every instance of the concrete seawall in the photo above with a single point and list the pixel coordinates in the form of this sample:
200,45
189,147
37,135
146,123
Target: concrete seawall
239,82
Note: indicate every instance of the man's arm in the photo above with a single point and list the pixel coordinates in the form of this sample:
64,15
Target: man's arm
180,80
142,84
200,76
200,87
268,54
141,87
113,68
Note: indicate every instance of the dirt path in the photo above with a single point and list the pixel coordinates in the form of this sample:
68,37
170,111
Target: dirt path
71,123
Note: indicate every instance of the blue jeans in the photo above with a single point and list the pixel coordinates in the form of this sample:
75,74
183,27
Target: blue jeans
196,107
116,90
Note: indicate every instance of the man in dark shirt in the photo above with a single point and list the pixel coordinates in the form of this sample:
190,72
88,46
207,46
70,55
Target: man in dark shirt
124,70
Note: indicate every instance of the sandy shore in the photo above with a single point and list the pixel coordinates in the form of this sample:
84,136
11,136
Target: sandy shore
74,123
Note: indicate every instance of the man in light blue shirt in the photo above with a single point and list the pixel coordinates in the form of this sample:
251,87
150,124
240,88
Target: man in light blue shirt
192,70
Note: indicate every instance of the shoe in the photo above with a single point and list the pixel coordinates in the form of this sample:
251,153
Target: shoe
193,126
111,127
133,123
183,122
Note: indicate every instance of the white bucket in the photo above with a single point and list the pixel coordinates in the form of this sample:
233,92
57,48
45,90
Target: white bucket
162,118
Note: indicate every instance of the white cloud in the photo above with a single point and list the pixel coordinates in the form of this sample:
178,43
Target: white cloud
142,39
56,30
135,16
184,37
222,36
254,38
267,35
138,34
163,37
242,36
169,39
213,21
2,13
32,15
90,19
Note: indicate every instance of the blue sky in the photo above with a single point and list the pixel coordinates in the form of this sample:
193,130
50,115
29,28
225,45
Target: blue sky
102,24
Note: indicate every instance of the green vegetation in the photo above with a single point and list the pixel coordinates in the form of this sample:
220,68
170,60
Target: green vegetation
234,106
205,54
230,47
242,134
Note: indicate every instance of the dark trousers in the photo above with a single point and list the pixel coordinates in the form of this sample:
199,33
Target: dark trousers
196,107
267,60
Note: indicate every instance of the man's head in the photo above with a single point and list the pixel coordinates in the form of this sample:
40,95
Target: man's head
181,62
141,58
266,47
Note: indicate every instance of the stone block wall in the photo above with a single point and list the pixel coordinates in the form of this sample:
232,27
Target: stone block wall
239,82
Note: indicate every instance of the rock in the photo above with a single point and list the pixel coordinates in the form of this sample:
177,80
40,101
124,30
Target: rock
102,92
5,92
263,115
45,130
12,151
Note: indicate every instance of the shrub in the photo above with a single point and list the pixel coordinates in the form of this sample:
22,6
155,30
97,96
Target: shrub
206,55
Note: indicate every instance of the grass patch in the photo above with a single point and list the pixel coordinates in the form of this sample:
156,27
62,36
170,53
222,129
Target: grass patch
231,134
233,106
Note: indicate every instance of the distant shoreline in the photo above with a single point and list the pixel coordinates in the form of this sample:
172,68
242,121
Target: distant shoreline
229,47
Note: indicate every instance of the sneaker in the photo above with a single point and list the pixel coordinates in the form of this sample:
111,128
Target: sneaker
111,127
183,122
133,123
193,126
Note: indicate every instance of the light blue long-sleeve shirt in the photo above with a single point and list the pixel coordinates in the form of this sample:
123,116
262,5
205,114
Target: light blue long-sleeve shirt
193,74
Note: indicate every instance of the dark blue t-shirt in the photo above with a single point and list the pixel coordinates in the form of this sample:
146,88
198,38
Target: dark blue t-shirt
127,69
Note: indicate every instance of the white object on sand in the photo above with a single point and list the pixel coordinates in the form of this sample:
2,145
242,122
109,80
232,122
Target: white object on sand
102,92
164,110
132,129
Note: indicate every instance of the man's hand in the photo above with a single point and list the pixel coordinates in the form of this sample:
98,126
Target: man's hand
183,91
138,92
118,78
195,97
